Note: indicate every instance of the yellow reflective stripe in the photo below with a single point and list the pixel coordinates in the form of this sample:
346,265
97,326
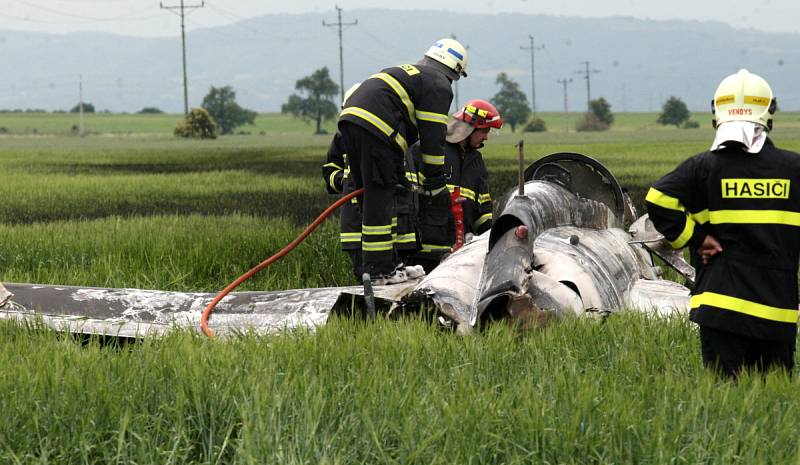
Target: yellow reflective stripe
378,123
483,218
406,238
400,91
431,117
451,187
663,200
437,248
701,216
686,234
724,99
332,165
483,198
756,100
754,217
411,176
783,315
350,237
468,193
377,246
332,179
376,230
433,159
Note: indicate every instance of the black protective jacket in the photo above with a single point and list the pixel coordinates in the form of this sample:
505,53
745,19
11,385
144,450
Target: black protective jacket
402,105
751,204
467,171
336,173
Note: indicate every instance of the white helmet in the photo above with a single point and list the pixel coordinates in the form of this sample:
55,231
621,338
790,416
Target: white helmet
743,97
450,53
349,92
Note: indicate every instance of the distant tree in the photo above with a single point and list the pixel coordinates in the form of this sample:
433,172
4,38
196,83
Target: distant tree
150,111
602,110
511,102
198,124
315,102
87,108
221,105
674,112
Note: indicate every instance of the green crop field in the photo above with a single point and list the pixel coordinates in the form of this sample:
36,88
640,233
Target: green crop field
131,206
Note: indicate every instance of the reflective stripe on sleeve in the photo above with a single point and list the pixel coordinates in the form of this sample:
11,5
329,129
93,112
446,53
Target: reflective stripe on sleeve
435,248
663,200
468,193
400,91
483,198
378,123
483,218
433,159
431,117
734,304
686,234
406,238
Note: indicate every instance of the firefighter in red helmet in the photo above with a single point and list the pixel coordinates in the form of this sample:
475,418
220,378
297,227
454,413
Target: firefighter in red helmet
467,130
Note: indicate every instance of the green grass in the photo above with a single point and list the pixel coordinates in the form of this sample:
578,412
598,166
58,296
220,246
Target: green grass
147,210
627,390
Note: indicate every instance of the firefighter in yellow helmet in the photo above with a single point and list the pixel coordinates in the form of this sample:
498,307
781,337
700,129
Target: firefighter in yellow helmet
737,206
467,130
389,111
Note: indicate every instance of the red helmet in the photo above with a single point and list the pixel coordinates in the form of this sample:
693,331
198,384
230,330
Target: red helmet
480,114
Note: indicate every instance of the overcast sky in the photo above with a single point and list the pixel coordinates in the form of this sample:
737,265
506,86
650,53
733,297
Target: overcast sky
145,18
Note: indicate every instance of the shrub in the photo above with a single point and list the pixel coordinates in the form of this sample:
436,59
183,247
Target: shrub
590,122
691,125
535,125
198,124
150,111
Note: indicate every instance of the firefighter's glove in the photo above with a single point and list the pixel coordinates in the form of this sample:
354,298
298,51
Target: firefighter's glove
433,192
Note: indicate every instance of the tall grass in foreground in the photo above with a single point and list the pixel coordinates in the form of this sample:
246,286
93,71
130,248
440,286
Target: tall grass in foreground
178,253
627,390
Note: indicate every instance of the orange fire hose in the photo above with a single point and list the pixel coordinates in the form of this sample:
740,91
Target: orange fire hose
311,227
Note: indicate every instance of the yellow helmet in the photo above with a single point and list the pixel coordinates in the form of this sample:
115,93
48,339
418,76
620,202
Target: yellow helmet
743,97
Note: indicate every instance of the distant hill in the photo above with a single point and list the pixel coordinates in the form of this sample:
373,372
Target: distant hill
640,63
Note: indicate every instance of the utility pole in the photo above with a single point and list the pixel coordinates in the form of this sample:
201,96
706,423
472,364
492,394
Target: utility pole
339,24
533,50
80,104
586,75
455,83
182,8
564,82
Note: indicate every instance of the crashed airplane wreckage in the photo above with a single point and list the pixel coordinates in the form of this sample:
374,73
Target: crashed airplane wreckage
558,246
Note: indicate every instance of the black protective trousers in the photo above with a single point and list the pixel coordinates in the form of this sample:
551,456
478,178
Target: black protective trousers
374,165
730,353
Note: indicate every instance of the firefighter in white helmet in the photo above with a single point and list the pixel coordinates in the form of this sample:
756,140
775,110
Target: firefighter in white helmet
389,111
737,206
467,130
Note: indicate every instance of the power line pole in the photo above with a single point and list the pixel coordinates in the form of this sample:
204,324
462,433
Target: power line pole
80,104
533,50
182,8
455,83
339,24
586,75
564,82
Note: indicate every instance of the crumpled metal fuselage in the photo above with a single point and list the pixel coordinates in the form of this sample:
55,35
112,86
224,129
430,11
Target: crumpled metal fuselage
558,248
